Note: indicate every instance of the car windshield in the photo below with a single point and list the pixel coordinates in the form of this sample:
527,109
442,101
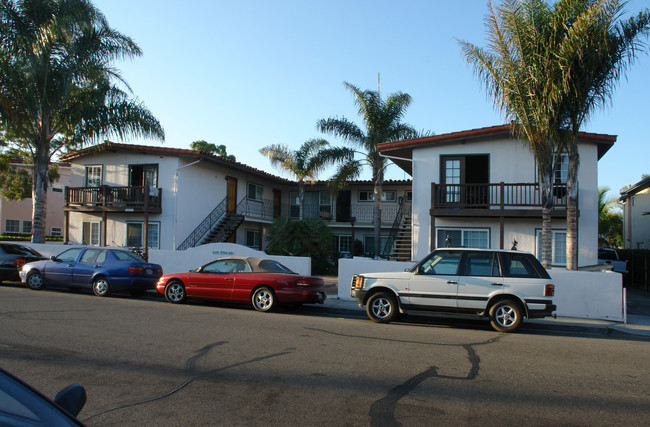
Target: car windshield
19,250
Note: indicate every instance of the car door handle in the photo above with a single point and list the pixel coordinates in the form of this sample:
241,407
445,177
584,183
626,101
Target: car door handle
496,284
452,282
229,279
98,266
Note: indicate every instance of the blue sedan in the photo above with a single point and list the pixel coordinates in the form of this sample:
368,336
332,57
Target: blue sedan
101,269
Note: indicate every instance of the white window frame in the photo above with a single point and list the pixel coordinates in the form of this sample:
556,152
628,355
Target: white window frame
26,226
389,196
256,238
558,255
14,228
259,192
344,243
154,227
463,236
90,175
56,231
94,233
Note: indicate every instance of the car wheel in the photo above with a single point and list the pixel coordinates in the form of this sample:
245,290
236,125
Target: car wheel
505,316
101,287
35,280
263,299
175,292
382,307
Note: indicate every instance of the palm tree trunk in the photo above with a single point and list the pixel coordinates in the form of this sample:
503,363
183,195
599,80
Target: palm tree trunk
547,207
39,192
572,213
378,179
301,200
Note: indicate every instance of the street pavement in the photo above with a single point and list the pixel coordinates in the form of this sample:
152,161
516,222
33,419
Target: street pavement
637,320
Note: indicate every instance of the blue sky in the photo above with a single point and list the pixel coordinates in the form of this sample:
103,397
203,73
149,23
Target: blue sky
250,73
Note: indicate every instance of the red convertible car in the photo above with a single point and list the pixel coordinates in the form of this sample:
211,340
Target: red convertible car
265,283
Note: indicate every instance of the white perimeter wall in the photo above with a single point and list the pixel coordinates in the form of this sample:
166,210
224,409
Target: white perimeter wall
582,294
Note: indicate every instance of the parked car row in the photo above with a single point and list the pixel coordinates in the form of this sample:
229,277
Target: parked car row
504,286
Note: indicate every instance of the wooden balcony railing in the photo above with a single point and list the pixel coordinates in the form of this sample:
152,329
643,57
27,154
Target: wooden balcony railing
113,199
494,197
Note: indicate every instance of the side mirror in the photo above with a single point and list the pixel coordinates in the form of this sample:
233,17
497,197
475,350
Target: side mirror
53,258
72,398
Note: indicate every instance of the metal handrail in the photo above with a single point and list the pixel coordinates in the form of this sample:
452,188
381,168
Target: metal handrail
388,247
205,226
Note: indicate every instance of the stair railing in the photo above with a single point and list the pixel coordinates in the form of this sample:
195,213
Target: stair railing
404,207
205,226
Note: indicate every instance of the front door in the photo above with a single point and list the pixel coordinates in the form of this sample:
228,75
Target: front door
465,180
343,201
231,194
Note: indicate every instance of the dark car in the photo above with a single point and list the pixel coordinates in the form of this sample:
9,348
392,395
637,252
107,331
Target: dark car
264,283
12,259
23,405
101,269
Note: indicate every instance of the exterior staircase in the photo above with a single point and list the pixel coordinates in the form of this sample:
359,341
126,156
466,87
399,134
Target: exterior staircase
398,245
224,229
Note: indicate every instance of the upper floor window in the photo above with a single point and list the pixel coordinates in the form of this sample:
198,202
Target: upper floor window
562,170
93,176
255,192
369,196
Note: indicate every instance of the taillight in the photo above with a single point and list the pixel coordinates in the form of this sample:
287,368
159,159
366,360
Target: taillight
549,290
19,263
302,283
136,270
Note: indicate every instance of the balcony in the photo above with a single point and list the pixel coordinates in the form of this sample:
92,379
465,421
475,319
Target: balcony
494,200
113,199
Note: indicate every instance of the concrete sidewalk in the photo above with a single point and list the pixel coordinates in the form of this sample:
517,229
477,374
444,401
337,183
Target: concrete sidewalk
638,316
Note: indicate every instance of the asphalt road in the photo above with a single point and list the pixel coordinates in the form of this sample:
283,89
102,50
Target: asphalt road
148,362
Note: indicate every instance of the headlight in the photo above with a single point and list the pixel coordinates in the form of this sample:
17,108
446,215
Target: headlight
357,282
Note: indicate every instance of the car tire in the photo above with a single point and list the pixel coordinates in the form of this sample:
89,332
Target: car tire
101,287
382,307
175,292
505,316
34,280
263,299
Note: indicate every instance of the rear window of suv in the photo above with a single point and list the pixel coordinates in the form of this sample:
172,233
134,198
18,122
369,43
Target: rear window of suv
522,265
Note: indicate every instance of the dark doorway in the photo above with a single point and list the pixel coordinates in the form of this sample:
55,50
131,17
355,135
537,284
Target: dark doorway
343,202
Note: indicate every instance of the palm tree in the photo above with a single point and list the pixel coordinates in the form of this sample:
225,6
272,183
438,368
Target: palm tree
593,47
610,221
382,120
307,162
57,87
516,69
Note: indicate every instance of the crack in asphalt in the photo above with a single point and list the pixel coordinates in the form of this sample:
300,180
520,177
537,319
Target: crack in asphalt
189,376
382,411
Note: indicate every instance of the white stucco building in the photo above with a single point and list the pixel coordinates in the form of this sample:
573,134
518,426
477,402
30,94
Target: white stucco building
479,189
636,215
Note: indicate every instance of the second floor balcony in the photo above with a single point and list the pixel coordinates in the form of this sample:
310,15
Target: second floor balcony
113,199
494,200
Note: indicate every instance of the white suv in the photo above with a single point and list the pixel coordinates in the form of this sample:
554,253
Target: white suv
506,286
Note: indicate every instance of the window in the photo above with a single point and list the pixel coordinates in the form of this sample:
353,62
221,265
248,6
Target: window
558,246
369,196
562,170
27,227
134,233
70,255
409,196
56,232
90,234
294,204
255,192
12,226
518,265
369,243
480,264
227,266
441,263
253,238
93,176
463,238
343,244
325,205
94,255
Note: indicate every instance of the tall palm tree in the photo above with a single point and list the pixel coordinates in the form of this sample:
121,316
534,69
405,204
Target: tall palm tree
58,88
307,162
516,69
382,120
593,48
